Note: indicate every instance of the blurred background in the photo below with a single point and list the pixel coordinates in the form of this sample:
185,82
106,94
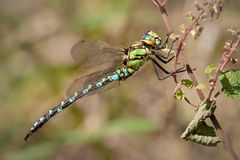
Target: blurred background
140,120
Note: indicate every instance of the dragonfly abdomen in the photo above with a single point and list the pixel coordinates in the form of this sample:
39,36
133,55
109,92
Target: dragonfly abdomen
52,112
112,77
117,75
124,73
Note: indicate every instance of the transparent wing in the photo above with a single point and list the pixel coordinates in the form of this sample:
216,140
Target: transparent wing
83,81
90,54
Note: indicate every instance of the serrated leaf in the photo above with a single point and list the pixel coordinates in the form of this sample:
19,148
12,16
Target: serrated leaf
230,81
198,131
209,69
179,94
205,110
187,83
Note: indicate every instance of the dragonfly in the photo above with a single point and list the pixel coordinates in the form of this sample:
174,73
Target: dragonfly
127,61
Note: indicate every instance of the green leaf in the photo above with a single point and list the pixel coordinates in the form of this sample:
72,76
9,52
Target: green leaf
205,135
204,129
205,110
230,81
179,94
198,131
209,69
187,83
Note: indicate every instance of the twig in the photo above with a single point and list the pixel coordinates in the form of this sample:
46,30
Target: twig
226,55
190,103
229,49
160,4
219,130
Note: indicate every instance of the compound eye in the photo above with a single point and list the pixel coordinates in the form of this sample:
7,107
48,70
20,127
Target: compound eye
158,41
147,37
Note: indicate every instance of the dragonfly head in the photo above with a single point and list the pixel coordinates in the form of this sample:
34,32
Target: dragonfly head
152,39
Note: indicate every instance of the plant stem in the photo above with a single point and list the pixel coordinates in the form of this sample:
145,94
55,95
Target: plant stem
219,130
226,56
160,4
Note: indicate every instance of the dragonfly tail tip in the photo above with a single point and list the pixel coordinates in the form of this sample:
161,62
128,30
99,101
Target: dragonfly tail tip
28,135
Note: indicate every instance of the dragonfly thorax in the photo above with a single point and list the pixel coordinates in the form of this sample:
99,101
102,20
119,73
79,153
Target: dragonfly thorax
137,57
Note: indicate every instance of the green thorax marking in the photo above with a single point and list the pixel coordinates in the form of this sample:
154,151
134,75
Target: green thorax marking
137,57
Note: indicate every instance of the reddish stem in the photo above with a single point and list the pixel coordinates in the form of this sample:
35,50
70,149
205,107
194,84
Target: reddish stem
226,56
160,4
220,133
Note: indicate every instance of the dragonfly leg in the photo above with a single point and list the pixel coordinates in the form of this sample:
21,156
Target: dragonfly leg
156,66
157,53
164,44
162,59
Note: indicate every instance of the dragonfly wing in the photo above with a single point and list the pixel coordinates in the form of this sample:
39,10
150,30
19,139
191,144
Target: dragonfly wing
90,54
84,81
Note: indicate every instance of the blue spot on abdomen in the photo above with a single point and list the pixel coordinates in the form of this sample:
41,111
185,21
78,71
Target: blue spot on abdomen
126,73
115,77
59,109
